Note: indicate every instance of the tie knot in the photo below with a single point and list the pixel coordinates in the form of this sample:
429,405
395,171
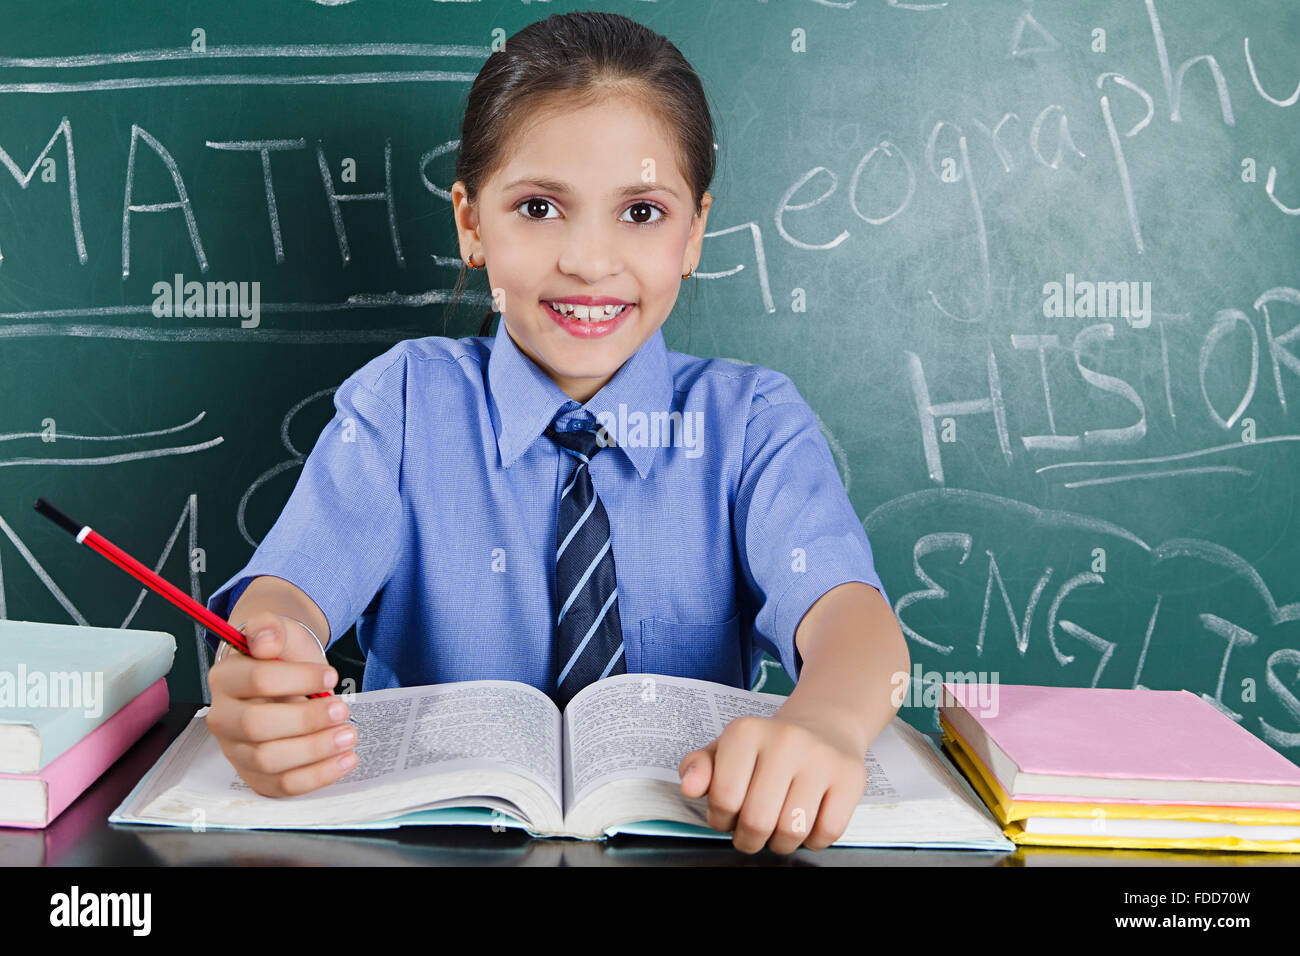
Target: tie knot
583,443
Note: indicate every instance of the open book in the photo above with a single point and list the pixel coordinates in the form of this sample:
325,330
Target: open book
501,753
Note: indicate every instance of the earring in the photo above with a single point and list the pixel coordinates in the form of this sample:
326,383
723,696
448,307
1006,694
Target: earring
689,274
470,262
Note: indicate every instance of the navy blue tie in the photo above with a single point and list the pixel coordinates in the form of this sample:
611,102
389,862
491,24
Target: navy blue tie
590,636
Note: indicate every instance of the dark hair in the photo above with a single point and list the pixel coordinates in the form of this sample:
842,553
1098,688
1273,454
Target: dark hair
580,58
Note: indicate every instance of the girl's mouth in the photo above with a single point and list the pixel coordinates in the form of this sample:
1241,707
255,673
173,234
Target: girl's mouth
586,329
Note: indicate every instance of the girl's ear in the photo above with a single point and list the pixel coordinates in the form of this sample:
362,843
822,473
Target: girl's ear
705,202
465,215
695,240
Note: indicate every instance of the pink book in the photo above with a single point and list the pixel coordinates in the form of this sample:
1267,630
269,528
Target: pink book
36,799
1121,745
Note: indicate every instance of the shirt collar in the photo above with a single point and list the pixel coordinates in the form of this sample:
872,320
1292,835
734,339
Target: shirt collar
525,400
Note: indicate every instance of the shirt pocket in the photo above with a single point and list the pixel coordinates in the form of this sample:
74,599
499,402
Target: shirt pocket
702,651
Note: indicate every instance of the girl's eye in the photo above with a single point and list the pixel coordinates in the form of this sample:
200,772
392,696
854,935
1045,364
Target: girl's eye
649,206
535,204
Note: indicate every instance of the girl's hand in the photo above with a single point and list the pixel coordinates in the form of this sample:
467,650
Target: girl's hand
280,743
793,779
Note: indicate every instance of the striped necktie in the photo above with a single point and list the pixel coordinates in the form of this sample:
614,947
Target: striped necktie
590,637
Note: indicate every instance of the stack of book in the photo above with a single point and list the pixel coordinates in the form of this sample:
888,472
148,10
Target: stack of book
1085,766
73,699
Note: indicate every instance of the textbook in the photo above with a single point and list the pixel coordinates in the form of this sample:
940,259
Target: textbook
501,753
58,682
1120,768
36,800
65,841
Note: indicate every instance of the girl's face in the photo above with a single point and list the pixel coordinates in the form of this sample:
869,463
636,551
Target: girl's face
590,204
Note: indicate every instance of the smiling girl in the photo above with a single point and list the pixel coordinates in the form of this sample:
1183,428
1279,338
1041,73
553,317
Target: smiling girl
471,510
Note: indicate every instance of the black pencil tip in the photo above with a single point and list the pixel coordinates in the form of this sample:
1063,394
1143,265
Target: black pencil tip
58,517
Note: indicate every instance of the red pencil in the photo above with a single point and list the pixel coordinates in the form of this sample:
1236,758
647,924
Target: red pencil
131,566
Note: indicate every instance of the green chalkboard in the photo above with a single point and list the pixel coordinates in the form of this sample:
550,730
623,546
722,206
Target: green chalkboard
1035,266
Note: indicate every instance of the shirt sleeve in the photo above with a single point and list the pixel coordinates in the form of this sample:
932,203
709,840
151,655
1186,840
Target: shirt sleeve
339,536
797,534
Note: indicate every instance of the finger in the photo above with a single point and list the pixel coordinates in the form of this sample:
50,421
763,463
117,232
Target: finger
733,764
243,677
760,813
696,770
231,675
283,637
288,753
265,634
837,809
302,779
256,722
799,815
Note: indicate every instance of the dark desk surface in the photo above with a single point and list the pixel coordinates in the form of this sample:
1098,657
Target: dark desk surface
82,836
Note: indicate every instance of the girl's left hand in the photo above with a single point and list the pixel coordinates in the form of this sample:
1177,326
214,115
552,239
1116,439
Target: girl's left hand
793,779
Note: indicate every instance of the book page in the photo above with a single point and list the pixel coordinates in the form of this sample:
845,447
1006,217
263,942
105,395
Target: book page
410,731
639,725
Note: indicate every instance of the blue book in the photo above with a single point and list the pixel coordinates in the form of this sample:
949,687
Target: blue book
58,682
501,754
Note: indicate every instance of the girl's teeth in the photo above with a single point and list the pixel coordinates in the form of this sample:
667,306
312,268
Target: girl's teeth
585,313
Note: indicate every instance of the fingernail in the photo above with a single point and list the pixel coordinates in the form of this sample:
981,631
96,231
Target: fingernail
263,636
337,710
331,678
344,738
348,759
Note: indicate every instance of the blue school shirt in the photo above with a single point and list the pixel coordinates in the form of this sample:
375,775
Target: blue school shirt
426,514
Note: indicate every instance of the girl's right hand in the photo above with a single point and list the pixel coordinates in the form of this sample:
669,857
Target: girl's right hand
280,743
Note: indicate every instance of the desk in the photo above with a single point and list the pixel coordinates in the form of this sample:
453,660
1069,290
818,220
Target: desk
82,836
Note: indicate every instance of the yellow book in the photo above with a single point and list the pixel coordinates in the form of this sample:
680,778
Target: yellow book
1010,812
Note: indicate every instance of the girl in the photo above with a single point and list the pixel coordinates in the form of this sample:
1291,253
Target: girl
568,499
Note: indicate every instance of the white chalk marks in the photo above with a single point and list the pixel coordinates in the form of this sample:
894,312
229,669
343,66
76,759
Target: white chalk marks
1198,604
